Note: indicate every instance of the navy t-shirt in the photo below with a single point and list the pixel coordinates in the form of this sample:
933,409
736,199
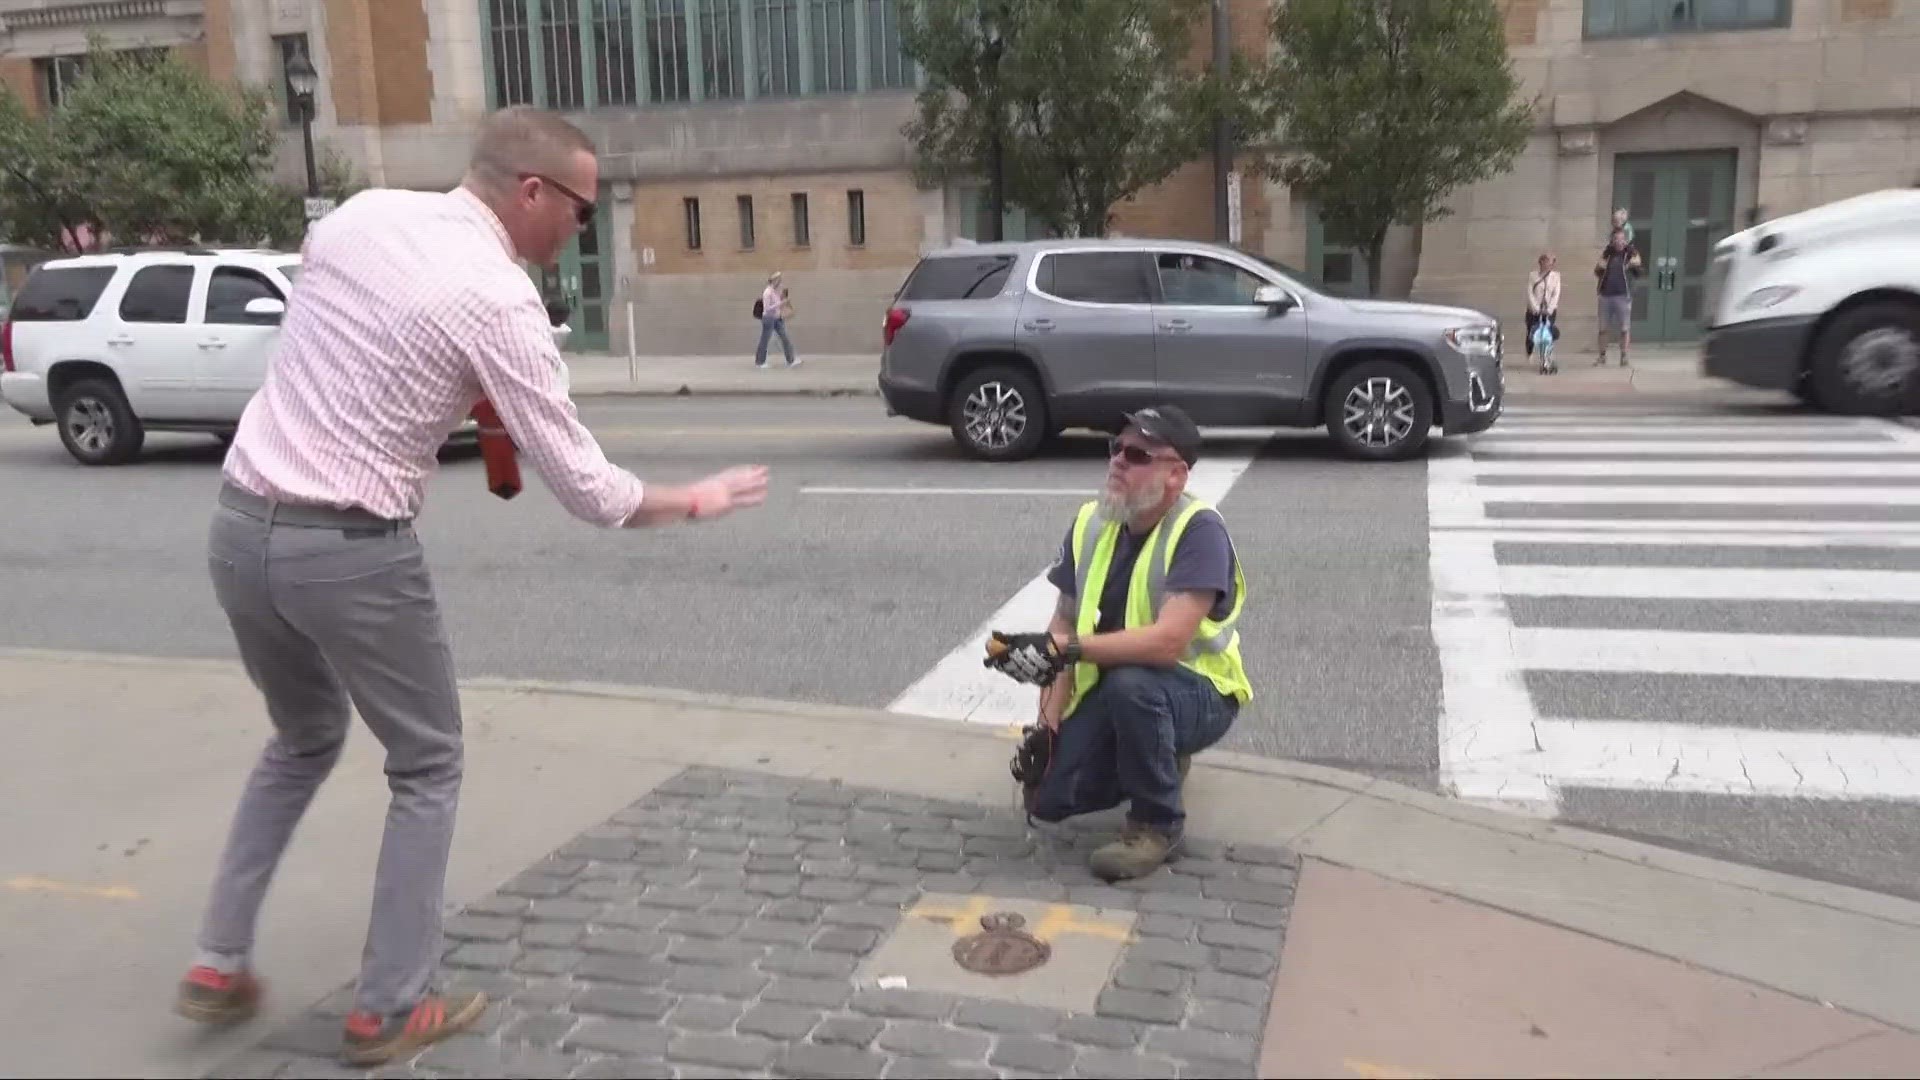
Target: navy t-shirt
1203,561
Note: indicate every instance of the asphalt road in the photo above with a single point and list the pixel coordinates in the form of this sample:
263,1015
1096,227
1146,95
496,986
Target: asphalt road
853,596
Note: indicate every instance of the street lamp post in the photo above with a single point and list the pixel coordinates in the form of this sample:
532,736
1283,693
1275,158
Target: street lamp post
304,81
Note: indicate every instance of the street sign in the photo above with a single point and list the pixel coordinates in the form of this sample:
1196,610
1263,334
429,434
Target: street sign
319,208
1233,208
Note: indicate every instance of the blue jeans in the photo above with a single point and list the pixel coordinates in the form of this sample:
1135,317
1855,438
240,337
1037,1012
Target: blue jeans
1124,743
769,327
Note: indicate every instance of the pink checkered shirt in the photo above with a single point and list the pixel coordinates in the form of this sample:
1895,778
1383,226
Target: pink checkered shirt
409,309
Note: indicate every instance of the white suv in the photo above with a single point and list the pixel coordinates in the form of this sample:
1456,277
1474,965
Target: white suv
114,345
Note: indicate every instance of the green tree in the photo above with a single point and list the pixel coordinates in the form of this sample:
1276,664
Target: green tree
147,148
1385,107
1065,106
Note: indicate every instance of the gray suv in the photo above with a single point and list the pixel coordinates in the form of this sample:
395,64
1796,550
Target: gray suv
1008,344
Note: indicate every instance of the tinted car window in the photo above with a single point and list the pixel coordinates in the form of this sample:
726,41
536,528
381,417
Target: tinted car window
965,277
1200,280
1094,277
158,294
61,294
229,291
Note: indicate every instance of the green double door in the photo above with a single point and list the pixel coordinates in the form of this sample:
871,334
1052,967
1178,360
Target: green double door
1680,205
583,280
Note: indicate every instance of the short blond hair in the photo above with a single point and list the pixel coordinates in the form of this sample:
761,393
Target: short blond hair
522,139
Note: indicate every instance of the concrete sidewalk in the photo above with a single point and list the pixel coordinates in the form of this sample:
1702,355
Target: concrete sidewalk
603,830
602,375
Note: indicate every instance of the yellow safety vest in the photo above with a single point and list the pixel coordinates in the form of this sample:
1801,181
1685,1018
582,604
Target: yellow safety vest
1215,649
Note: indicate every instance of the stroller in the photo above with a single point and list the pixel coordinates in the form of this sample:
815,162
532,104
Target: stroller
1543,335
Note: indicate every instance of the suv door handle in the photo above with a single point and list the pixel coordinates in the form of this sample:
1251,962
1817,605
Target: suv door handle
121,340
1178,326
1039,325
213,343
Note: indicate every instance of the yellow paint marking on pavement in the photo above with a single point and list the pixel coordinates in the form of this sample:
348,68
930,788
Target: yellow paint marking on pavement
1370,1071
1062,919
48,885
1059,919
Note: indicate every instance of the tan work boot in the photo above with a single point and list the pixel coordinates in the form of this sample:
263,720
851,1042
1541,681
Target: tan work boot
1139,852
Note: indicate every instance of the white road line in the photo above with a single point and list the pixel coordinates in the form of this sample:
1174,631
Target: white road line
1909,540
1688,496
1488,749
1712,583
960,688
1766,429
1635,756
1549,470
1714,525
1084,493
1699,448
1676,652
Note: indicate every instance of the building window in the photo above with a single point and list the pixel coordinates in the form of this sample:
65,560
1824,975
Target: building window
693,223
56,76
584,54
746,222
802,230
887,66
836,57
287,47
509,52
1648,18
857,218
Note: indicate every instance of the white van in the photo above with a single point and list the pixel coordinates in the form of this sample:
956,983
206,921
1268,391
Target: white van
1824,303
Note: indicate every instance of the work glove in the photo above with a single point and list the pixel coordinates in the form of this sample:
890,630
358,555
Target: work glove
1033,659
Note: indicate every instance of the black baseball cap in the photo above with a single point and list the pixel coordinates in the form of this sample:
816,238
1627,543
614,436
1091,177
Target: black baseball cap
1170,426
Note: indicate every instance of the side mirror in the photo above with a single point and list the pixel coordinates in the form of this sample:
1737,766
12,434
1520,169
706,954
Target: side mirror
1274,298
265,309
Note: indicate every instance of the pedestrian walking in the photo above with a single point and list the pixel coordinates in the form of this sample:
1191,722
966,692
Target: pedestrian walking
774,307
1543,306
1619,264
412,308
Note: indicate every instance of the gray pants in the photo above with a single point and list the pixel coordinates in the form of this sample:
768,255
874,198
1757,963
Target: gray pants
331,607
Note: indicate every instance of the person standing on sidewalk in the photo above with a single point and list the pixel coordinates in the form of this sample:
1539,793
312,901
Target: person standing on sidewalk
1140,668
1618,264
1543,301
774,308
412,306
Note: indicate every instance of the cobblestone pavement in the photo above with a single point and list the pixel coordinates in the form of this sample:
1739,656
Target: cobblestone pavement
715,928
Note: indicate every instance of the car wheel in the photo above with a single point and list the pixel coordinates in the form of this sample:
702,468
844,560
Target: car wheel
1380,410
97,425
997,414
1867,362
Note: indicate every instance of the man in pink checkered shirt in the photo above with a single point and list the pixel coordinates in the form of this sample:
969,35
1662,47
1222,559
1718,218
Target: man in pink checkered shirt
411,307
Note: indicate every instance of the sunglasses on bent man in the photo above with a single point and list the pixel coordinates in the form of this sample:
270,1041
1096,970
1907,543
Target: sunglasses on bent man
583,207
1134,455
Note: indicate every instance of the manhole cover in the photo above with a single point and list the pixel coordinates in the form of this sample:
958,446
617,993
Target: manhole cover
1001,947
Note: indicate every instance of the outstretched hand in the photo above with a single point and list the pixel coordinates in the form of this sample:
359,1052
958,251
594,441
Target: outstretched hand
729,490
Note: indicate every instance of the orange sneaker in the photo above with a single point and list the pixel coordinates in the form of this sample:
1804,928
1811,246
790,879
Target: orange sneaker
210,997
372,1039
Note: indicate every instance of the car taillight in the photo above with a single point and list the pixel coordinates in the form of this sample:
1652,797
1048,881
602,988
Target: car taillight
896,318
6,345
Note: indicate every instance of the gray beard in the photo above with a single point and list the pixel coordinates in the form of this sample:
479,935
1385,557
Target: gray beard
1121,509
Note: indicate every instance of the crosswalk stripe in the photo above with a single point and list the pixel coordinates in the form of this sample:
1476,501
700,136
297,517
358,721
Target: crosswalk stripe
1643,493
1769,429
1909,540
1729,448
1681,652
1549,470
1642,526
1711,583
1632,755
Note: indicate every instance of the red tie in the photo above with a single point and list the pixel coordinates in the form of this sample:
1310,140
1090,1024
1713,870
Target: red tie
497,450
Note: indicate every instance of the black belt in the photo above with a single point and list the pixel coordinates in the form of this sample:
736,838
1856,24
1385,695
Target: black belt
352,521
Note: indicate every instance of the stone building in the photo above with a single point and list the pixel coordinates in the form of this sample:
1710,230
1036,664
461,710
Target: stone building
743,136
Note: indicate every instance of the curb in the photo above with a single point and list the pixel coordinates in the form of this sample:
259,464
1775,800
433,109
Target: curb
687,390
1861,902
